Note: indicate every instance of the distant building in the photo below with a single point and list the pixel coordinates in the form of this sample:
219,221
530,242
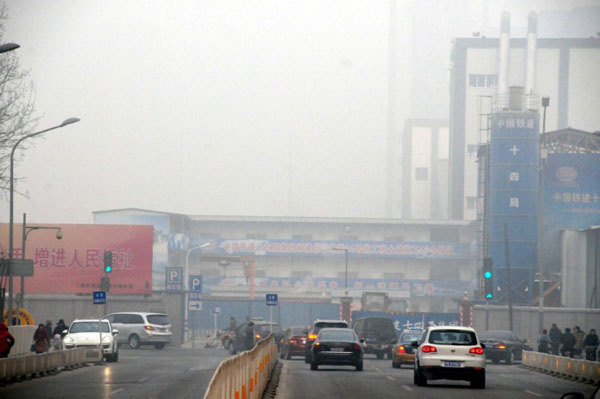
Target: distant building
426,263
566,70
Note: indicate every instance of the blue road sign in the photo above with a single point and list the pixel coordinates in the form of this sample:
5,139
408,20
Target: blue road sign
271,299
174,280
195,305
195,284
99,297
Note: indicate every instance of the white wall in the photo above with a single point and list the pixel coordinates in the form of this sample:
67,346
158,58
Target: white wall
584,89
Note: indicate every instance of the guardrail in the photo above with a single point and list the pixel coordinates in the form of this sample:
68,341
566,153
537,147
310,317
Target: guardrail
29,365
579,369
246,375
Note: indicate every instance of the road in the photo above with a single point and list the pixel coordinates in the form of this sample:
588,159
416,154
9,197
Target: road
379,380
144,373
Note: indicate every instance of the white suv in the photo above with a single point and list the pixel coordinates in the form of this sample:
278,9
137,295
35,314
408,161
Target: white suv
86,334
452,353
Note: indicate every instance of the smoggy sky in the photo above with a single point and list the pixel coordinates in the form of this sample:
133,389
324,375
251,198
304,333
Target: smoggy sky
227,107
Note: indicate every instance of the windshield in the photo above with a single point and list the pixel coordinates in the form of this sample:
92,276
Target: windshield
336,324
88,326
298,331
410,337
452,337
159,319
342,335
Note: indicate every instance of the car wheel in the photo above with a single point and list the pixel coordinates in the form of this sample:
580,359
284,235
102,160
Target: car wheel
394,364
510,358
359,366
159,346
134,342
281,353
495,361
115,357
314,366
379,355
479,381
419,378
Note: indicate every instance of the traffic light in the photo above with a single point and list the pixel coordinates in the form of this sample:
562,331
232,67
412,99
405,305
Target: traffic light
108,261
488,279
105,284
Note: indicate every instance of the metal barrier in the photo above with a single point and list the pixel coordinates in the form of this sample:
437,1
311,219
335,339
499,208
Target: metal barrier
579,369
29,365
246,375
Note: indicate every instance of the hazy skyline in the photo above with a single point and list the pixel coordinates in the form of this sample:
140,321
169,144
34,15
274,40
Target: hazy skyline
231,107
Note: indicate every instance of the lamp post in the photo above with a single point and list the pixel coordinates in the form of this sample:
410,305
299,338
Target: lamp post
66,122
346,273
26,231
540,249
186,277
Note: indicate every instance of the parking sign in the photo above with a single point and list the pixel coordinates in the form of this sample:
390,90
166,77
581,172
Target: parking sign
174,281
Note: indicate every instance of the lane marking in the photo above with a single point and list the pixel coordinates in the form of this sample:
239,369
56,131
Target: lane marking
533,393
117,391
143,379
409,389
389,377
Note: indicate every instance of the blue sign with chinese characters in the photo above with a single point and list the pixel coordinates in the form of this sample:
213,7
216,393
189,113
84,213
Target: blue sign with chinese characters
271,299
99,297
513,200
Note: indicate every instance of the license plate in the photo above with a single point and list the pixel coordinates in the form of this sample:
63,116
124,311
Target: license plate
337,349
451,364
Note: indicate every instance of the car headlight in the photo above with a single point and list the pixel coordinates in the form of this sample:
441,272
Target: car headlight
68,340
106,338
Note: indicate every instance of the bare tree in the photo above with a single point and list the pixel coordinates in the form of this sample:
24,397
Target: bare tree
17,112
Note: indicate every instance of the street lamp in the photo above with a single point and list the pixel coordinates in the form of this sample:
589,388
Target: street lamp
26,231
540,250
6,47
346,273
66,122
186,277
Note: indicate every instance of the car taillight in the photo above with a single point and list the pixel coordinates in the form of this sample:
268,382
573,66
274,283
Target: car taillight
476,351
501,346
312,337
428,349
357,347
149,327
401,349
292,341
317,343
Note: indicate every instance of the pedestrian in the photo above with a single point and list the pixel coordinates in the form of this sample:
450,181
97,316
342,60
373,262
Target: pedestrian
6,340
579,336
232,323
60,327
543,342
590,343
555,335
41,339
49,327
567,342
249,336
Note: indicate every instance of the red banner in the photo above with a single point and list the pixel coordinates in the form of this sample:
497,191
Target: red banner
74,264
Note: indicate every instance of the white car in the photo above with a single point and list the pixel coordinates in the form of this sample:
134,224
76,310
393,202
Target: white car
452,353
86,334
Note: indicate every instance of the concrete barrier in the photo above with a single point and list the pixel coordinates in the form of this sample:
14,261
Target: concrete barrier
23,339
42,363
578,369
246,375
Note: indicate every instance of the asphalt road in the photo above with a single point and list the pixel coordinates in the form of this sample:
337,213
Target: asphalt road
144,373
379,380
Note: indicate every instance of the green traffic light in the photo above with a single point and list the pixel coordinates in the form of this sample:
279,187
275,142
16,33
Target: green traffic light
107,269
488,296
487,274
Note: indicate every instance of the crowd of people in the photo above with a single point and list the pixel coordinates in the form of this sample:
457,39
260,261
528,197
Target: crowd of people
570,344
44,337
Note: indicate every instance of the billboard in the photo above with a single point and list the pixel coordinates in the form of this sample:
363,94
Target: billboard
74,264
571,199
513,201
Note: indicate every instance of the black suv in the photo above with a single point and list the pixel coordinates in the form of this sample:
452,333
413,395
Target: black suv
312,334
379,334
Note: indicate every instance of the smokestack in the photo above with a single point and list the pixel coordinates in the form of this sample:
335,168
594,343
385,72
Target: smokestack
503,50
531,49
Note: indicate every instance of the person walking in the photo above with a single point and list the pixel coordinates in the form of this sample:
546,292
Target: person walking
579,336
6,340
249,336
41,339
232,323
567,342
60,327
555,335
543,342
49,327
590,343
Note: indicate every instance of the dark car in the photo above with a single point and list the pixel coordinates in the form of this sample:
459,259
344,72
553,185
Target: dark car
238,338
337,346
312,334
503,345
379,334
293,343
262,329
